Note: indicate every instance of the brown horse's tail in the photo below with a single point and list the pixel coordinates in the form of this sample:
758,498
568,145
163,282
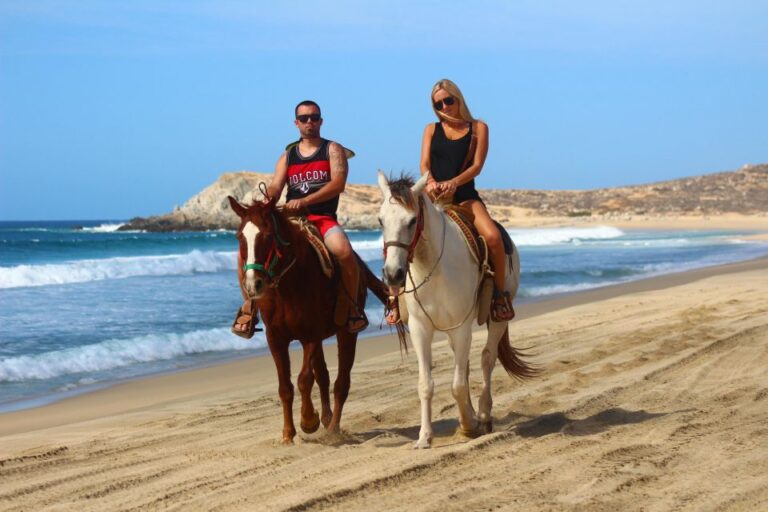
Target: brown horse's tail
381,292
372,282
511,360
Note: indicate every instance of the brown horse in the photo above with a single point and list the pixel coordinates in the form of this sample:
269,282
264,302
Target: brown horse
278,268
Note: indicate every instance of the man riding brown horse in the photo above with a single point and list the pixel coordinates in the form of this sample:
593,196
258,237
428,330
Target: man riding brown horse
315,170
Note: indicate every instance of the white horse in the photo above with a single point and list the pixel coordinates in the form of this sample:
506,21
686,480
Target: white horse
424,245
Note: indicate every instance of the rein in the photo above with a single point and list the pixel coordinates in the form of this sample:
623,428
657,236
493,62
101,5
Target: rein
414,286
412,249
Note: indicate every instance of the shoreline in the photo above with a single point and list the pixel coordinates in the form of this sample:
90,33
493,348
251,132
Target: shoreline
158,390
520,218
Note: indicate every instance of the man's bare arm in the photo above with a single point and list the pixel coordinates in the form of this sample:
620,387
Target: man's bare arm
279,179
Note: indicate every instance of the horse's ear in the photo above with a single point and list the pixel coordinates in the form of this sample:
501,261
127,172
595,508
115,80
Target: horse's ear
237,207
419,185
383,183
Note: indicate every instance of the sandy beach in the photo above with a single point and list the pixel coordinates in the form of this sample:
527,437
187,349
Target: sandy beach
654,396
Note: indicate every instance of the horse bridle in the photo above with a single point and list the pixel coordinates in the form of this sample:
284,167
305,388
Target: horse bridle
411,247
273,259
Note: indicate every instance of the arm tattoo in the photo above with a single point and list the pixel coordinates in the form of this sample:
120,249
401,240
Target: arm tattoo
338,160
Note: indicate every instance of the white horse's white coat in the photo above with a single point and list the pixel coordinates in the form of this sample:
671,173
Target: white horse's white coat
445,302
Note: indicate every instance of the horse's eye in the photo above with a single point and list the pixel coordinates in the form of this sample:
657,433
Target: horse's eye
412,222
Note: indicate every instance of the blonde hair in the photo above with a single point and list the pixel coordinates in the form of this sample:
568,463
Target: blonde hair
453,90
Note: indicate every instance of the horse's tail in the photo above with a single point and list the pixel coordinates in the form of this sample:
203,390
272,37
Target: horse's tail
372,282
381,292
512,360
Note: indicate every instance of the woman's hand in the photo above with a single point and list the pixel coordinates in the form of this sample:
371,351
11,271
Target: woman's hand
447,188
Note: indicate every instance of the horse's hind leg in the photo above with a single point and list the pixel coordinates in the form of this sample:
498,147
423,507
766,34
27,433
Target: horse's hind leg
488,361
460,341
323,383
279,350
347,344
310,420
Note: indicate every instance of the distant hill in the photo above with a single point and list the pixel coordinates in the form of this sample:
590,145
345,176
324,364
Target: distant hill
744,191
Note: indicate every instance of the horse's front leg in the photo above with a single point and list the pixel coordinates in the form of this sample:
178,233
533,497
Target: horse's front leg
488,361
279,350
421,337
310,420
347,344
323,380
461,340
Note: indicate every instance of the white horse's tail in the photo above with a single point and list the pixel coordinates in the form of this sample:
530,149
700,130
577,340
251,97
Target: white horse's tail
512,360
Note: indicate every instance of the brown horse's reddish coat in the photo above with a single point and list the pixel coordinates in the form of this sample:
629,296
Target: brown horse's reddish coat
299,305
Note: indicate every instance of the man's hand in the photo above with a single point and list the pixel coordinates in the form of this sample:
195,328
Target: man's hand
295,204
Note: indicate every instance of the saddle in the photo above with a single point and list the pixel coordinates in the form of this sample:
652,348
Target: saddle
464,219
316,241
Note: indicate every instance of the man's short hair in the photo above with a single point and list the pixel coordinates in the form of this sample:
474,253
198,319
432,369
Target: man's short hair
306,103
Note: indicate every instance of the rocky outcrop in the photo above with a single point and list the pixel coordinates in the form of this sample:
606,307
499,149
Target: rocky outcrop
744,191
207,210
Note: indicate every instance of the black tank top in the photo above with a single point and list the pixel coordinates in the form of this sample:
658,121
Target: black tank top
306,175
447,158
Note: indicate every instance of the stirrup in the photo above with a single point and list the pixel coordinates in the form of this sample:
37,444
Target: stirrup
355,318
392,311
247,315
501,306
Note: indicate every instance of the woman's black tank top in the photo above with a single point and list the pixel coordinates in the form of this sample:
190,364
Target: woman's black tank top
447,158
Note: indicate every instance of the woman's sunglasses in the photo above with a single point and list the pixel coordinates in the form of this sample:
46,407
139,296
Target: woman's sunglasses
304,118
450,100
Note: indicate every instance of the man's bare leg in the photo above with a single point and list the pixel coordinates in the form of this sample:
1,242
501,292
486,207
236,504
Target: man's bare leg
338,243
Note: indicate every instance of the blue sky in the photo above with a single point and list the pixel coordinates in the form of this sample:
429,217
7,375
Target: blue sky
115,109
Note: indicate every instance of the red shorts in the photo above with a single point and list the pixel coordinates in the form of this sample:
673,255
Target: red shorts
324,223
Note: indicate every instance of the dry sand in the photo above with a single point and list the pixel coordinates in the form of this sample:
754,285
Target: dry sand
654,396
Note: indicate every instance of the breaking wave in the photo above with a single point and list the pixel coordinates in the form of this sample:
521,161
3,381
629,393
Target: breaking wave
81,271
119,353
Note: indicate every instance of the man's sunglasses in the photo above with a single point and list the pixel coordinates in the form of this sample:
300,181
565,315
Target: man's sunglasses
305,118
450,100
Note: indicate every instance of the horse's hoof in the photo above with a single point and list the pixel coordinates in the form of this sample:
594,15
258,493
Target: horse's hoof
423,443
326,420
312,426
287,441
486,427
471,432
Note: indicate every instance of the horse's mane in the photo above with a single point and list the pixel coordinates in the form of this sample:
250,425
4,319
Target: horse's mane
400,189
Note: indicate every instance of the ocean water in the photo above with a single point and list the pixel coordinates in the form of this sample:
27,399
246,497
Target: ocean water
83,305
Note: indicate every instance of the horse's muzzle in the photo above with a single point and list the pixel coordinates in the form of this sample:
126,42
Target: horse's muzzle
396,278
254,287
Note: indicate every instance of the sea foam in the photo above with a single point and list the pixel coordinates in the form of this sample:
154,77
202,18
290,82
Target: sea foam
81,271
104,228
553,236
118,353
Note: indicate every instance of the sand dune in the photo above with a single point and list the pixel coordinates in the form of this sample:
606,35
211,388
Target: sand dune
652,398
